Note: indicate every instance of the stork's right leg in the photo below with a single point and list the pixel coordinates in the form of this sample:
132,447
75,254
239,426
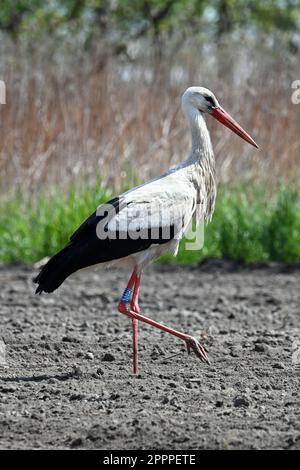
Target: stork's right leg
130,296
135,307
124,307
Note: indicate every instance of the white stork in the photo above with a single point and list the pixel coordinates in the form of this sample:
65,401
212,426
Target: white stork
148,221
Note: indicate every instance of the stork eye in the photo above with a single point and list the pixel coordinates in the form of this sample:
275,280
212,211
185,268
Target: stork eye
210,100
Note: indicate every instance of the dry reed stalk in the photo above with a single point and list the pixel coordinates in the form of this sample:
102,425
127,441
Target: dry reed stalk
123,119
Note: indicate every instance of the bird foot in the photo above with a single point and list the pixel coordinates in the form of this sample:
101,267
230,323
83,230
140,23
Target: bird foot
194,345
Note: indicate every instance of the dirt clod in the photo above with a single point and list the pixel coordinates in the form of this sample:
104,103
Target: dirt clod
241,401
260,348
279,365
108,357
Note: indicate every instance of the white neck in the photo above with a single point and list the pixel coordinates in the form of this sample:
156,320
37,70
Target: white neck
201,158
201,143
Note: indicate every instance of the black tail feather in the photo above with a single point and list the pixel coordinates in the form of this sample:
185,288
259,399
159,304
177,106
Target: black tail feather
58,268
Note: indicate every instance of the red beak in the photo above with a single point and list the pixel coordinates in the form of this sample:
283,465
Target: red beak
222,116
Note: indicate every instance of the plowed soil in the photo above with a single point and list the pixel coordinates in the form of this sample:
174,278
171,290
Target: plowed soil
66,376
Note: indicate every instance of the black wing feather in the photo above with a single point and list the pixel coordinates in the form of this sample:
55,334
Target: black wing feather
86,249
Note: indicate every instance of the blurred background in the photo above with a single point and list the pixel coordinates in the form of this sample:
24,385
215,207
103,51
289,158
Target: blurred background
92,107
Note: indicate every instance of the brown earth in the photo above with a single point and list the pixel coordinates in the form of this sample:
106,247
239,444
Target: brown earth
68,383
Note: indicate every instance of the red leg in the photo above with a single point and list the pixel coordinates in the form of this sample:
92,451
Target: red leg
135,307
130,295
135,296
135,332
190,341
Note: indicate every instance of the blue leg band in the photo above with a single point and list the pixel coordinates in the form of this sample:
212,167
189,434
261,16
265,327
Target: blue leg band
126,295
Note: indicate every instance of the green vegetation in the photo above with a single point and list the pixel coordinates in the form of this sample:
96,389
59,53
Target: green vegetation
252,226
133,19
31,228
248,226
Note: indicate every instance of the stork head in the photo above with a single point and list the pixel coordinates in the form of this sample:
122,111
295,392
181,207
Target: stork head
203,100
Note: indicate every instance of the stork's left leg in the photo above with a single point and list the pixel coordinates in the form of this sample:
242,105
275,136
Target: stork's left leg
135,296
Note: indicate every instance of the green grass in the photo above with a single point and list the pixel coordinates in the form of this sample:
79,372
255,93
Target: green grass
34,227
252,226
248,225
